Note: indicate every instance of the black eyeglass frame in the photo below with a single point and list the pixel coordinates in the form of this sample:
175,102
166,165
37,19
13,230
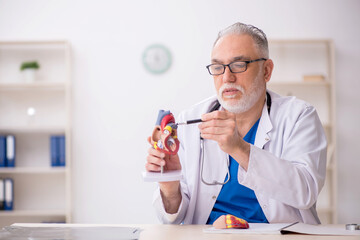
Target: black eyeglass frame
228,65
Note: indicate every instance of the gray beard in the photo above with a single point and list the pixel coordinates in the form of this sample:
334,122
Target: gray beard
247,100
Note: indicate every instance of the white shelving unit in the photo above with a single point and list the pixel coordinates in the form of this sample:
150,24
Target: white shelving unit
293,60
41,193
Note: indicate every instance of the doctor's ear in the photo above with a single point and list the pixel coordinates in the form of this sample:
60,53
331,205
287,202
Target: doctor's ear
268,68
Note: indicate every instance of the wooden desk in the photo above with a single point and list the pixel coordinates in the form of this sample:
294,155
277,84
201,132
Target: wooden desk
189,232
195,232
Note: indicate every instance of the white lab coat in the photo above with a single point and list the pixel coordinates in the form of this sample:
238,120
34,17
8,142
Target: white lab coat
286,169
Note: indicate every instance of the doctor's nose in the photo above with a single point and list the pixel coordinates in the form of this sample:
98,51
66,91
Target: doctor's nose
228,76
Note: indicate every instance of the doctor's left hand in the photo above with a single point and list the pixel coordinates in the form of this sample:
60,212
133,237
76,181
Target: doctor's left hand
156,158
221,127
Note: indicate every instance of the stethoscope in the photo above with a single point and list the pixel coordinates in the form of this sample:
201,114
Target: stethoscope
202,147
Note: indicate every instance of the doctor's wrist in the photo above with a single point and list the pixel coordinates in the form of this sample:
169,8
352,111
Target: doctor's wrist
170,189
171,196
241,154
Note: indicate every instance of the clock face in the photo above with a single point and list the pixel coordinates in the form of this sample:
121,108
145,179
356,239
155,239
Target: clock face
157,59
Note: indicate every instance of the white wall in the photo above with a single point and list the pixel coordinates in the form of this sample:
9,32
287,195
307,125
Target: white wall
116,100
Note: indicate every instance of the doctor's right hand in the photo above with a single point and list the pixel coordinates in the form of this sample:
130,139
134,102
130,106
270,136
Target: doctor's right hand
170,191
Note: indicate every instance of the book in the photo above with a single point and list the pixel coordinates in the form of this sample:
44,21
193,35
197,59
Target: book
54,151
61,142
314,78
10,151
57,151
9,194
2,151
2,194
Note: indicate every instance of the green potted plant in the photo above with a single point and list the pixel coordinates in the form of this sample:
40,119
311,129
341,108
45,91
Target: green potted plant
29,70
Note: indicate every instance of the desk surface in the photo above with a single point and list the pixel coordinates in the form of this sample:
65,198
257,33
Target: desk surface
186,232
180,232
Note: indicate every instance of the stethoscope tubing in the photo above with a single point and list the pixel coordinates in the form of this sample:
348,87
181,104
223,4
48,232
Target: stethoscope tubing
202,147
202,168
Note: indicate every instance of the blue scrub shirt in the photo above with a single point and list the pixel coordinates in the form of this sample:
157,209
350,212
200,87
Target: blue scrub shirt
236,199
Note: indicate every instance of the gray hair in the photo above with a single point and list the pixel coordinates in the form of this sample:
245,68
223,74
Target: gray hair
255,33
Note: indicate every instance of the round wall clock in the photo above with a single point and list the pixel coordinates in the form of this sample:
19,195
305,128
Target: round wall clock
157,58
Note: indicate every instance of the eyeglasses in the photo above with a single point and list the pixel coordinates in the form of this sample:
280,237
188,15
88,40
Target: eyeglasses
234,67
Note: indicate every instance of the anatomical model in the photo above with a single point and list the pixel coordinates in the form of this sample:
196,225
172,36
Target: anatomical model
164,136
230,221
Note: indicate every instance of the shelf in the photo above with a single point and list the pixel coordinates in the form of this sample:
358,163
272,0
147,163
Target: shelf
40,86
299,41
305,68
278,83
32,129
34,170
30,44
33,112
32,213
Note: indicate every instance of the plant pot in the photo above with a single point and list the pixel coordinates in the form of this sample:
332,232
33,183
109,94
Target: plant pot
29,75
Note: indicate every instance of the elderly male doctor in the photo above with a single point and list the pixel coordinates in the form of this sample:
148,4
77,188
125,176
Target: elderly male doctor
264,155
